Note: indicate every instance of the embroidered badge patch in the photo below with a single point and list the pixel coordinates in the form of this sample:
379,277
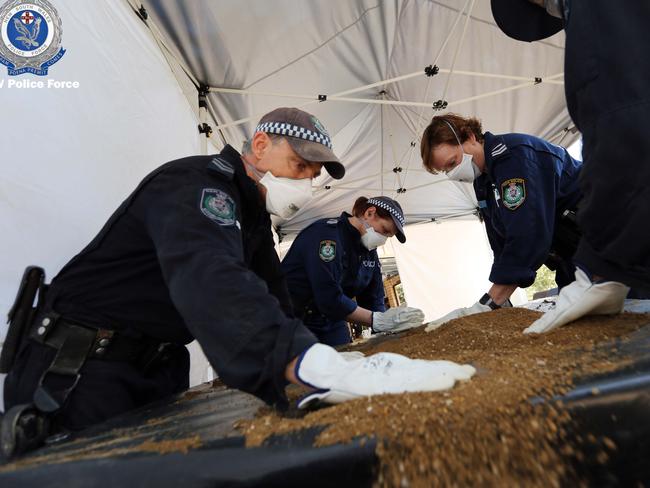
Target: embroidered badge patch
327,250
218,206
513,193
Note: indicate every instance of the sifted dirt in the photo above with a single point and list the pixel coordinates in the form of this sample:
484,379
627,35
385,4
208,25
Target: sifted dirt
104,450
483,432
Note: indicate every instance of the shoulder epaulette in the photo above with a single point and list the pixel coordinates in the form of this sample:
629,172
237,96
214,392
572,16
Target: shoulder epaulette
223,167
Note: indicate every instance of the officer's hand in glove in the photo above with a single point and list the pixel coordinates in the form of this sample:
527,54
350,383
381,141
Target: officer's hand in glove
396,319
478,307
338,379
582,297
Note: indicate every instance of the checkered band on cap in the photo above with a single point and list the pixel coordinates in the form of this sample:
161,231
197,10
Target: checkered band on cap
284,129
389,208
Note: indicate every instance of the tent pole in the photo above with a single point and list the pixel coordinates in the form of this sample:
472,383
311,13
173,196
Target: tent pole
378,102
383,101
548,79
256,117
381,121
492,93
202,120
420,125
457,51
204,128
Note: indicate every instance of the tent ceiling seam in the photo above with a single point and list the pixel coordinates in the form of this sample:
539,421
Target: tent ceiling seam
302,56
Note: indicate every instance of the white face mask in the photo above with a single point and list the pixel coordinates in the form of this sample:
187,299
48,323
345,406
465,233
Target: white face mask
466,171
372,239
285,196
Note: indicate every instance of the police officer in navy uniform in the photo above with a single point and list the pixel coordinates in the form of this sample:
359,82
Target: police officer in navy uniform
606,75
189,255
333,261
527,191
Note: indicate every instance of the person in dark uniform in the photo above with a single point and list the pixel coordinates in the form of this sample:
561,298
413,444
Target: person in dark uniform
189,255
606,75
333,261
527,191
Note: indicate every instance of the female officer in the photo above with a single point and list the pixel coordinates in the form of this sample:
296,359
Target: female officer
527,191
333,261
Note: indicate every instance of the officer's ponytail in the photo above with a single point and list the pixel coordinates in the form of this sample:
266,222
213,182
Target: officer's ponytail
440,131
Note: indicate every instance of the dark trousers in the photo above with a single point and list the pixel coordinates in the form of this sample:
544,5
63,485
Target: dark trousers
607,83
105,388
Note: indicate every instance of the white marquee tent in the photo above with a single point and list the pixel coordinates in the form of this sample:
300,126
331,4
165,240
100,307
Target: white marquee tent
70,156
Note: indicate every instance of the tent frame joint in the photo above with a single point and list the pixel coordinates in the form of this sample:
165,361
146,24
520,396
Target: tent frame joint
203,95
439,105
431,70
142,12
206,129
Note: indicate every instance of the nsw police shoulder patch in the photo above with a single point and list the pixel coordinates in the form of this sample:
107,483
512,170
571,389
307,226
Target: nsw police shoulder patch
327,250
218,206
513,193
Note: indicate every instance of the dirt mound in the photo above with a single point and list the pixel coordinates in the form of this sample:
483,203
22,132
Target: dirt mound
485,431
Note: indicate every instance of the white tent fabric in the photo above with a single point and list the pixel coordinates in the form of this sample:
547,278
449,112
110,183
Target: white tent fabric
332,46
444,266
71,156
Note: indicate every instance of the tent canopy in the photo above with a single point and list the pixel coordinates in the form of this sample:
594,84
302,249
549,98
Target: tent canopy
366,61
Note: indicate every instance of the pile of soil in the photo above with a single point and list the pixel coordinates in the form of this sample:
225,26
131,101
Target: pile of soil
106,450
483,432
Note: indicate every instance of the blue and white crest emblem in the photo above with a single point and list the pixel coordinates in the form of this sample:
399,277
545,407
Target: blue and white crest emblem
31,36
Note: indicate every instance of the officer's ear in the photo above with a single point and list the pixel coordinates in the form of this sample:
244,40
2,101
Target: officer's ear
260,144
370,213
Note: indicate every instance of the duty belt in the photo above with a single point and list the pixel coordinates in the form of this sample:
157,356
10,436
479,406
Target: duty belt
53,330
75,343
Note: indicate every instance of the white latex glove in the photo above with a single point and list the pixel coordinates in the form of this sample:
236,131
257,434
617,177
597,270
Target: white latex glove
454,314
352,355
338,379
582,297
396,319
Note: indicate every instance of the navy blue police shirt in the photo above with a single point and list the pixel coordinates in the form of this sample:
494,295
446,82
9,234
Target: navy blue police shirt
327,266
190,255
528,183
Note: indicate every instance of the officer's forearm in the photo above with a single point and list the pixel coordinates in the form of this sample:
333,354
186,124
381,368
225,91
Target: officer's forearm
360,315
500,293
